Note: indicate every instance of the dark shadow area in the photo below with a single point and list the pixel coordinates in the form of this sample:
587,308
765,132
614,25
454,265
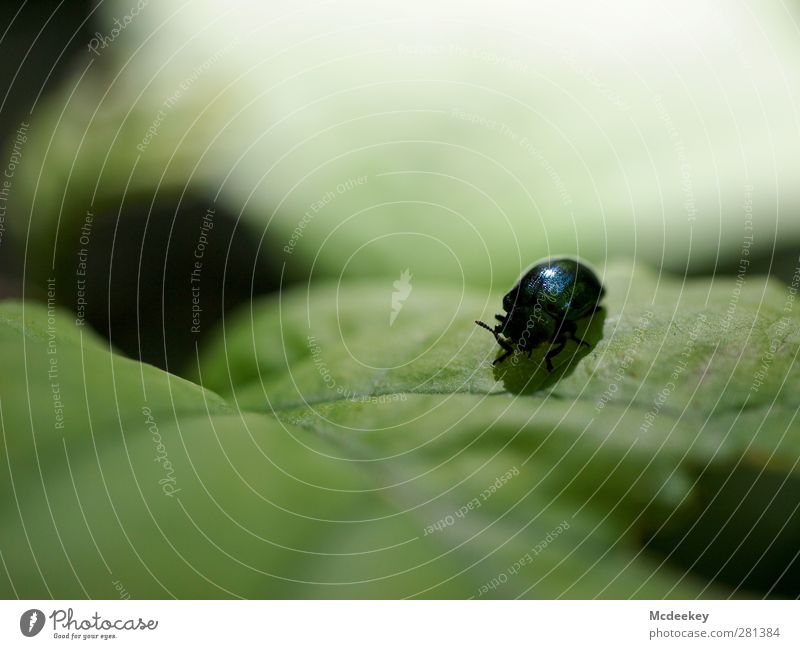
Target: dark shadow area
744,540
781,263
521,374
155,287
38,49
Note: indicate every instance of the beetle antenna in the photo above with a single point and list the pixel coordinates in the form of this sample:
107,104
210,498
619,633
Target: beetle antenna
487,327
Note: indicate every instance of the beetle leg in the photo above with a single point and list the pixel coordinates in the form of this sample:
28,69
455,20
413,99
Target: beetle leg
579,341
567,332
554,351
499,317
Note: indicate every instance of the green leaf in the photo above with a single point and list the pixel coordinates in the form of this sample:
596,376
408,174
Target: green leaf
691,381
415,468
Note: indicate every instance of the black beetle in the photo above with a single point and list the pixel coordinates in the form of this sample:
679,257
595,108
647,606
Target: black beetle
544,307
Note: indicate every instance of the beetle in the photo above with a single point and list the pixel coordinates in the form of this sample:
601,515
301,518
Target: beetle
545,306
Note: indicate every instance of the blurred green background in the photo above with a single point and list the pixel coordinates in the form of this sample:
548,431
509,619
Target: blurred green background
336,144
